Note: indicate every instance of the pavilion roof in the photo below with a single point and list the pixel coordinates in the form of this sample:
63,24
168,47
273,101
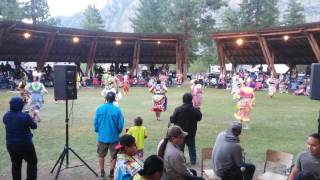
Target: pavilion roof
54,44
302,47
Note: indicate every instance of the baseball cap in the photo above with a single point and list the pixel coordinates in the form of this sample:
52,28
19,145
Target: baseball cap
236,125
175,131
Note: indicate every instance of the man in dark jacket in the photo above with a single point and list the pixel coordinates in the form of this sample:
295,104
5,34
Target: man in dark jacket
186,116
19,139
227,156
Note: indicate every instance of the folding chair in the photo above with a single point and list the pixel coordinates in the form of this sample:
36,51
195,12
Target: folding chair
278,159
207,173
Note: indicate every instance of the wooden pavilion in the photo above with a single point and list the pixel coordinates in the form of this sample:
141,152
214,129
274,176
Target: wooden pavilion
280,45
20,42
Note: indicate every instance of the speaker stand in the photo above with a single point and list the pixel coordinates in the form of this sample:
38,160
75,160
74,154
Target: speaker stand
319,123
65,153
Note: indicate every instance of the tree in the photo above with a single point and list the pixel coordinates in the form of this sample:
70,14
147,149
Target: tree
294,14
255,14
92,19
193,18
149,17
230,20
10,10
54,21
37,11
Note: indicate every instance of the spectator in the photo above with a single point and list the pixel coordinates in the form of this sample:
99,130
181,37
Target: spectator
186,116
127,167
19,139
307,166
152,168
139,133
174,160
108,123
228,158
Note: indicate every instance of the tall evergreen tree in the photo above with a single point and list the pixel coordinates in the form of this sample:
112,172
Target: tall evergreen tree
193,18
10,10
255,14
37,11
149,17
230,20
92,19
294,14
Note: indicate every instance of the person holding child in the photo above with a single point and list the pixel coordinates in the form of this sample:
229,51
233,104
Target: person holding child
139,132
127,166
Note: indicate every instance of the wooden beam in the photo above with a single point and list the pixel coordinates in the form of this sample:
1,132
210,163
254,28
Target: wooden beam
138,57
178,57
135,56
234,68
45,52
91,55
221,57
266,53
314,45
2,33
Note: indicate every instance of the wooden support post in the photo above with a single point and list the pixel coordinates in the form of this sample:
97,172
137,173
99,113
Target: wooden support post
221,58
91,55
314,45
266,53
2,33
178,57
138,57
234,68
45,52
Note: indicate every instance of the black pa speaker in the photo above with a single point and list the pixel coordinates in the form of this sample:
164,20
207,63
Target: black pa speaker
315,81
65,82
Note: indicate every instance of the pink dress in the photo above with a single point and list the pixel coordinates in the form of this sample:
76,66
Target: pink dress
197,95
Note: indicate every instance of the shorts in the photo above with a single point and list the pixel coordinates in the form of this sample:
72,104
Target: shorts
103,149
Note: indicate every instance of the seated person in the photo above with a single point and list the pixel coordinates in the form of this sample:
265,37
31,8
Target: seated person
307,166
152,168
227,156
174,159
127,166
301,90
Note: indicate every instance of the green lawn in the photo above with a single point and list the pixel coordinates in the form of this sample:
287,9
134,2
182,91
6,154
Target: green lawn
282,123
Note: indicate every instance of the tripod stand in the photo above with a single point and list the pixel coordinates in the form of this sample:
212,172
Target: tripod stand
65,152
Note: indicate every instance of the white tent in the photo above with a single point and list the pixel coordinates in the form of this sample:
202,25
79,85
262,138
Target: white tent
280,68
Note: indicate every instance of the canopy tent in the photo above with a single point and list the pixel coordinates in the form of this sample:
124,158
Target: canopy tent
279,45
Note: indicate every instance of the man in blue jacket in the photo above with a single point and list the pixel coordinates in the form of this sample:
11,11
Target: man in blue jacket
19,139
108,123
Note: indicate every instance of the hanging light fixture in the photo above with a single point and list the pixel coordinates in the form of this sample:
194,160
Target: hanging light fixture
75,39
158,42
27,35
239,41
286,37
118,42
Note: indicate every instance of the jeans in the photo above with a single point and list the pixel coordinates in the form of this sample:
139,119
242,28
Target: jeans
190,142
235,173
17,154
305,176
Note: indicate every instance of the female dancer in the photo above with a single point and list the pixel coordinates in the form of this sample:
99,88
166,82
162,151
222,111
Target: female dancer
196,91
245,106
159,98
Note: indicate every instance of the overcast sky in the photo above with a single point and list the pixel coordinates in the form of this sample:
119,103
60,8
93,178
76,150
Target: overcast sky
70,7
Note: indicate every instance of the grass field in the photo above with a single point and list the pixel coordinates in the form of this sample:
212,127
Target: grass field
282,123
